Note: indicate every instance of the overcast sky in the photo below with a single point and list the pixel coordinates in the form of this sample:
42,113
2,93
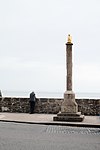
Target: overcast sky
33,34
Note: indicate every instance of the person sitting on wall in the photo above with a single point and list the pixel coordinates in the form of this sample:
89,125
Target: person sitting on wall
32,102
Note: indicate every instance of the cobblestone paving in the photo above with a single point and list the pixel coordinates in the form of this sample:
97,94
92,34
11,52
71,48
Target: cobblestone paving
74,130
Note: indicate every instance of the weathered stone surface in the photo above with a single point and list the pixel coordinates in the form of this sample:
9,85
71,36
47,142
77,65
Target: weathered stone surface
69,66
69,105
53,106
69,118
69,114
73,117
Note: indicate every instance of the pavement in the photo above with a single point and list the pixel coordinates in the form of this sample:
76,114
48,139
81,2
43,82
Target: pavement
47,119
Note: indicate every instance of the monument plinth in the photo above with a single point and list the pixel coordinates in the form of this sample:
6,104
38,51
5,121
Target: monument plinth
69,108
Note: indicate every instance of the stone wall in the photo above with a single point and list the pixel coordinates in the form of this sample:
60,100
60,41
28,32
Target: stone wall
48,105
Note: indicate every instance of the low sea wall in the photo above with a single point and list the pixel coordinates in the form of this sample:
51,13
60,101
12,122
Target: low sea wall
47,105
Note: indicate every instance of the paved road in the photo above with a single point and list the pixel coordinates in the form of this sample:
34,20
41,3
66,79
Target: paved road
41,137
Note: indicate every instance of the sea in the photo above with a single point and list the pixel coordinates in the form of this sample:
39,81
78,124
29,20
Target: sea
45,94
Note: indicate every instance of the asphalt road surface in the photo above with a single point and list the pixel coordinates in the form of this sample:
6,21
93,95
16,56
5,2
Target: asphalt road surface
15,136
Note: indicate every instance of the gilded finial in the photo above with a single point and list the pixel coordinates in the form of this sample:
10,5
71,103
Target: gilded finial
69,38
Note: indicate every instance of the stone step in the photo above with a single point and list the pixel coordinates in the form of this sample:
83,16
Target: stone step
69,118
69,114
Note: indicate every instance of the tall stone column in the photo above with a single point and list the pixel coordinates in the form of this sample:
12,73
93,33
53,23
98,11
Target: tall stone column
69,108
69,66
69,105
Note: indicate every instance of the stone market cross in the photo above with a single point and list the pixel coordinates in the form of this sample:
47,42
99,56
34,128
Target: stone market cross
69,109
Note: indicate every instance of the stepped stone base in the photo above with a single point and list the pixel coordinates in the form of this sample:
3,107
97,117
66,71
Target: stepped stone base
69,109
69,117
